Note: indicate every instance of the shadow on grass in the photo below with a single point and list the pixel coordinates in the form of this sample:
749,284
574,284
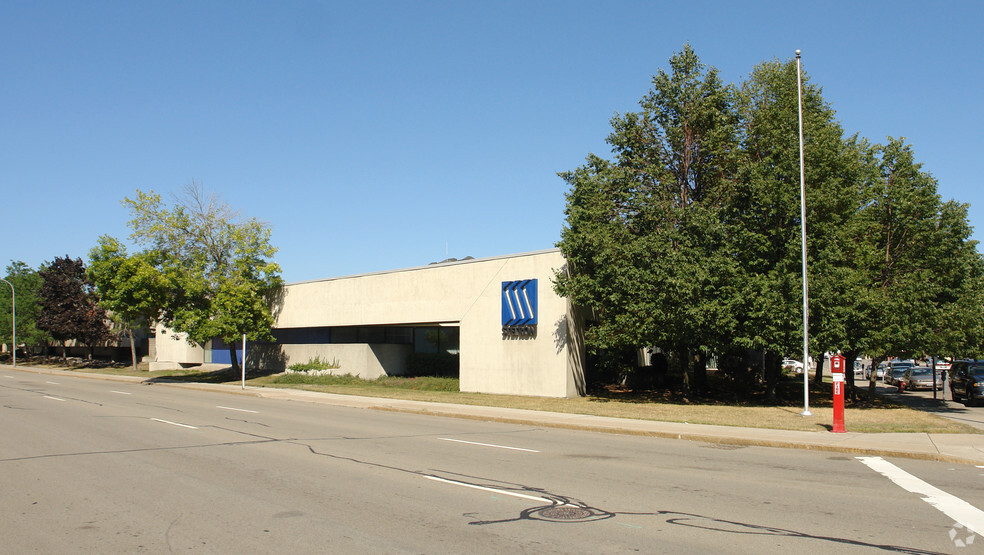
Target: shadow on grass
224,375
723,392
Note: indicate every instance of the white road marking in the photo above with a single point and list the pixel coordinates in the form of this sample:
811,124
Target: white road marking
174,423
232,408
120,392
53,398
55,383
9,377
494,490
959,510
489,445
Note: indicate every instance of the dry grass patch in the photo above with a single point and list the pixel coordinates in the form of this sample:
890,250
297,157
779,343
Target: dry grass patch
894,419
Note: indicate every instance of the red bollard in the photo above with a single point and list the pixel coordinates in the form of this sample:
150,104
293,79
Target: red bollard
837,371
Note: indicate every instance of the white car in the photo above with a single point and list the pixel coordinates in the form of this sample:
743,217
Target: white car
794,365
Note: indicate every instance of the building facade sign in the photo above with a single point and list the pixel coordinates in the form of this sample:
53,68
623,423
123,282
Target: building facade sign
519,307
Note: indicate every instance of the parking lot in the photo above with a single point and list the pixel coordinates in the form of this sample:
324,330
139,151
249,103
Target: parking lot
942,405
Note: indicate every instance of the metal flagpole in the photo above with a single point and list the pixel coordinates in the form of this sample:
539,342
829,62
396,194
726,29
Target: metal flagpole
806,296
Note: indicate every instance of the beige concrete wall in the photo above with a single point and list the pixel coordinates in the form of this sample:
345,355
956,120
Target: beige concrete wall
466,293
358,359
492,363
173,350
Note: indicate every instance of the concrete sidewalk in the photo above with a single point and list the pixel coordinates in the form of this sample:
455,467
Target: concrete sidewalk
955,448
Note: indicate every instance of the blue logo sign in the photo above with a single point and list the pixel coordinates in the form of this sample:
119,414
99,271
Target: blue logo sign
519,303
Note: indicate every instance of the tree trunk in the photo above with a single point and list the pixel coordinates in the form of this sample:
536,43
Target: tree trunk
700,373
851,391
818,376
873,379
773,367
133,349
235,360
683,355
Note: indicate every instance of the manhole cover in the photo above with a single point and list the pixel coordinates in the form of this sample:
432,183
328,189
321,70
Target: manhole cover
566,513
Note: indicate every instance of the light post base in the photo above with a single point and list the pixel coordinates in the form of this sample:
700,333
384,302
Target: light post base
806,413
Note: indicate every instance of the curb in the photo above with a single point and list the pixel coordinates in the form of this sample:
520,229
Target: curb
379,403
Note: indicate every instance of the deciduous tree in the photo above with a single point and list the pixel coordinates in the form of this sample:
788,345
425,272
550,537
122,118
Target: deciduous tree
130,287
219,266
644,238
27,284
69,308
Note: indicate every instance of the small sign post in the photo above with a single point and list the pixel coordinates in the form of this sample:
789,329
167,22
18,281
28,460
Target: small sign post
244,361
837,372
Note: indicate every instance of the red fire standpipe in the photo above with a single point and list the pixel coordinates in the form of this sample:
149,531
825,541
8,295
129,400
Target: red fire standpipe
837,371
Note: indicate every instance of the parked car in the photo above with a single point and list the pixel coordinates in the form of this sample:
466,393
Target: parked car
879,372
794,365
919,377
895,370
859,370
967,380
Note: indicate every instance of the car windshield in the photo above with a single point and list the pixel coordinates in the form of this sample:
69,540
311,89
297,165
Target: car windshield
977,371
925,371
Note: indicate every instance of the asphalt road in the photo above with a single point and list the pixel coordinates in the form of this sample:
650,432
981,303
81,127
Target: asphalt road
98,466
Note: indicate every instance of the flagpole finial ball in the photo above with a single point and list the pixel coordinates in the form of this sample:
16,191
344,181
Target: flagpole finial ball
797,53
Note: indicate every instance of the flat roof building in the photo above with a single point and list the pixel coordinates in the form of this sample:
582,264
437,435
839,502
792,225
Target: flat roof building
498,318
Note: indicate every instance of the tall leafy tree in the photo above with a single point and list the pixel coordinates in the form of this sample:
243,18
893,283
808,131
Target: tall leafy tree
130,287
27,284
219,266
765,218
922,268
644,238
956,324
69,308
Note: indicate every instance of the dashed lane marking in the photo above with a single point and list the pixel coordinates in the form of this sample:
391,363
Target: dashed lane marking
489,445
174,423
235,409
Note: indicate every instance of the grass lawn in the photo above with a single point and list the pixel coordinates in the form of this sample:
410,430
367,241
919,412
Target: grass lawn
722,405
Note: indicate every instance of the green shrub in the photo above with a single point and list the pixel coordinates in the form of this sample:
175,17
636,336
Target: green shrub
315,364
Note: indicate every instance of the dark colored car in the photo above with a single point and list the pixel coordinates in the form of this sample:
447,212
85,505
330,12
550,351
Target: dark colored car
919,377
967,380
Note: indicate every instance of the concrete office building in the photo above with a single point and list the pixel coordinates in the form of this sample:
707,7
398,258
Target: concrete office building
510,331
500,315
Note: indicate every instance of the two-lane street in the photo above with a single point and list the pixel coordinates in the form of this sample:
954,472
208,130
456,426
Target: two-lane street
92,465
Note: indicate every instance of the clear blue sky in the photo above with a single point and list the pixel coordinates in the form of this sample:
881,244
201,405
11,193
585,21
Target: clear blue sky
384,135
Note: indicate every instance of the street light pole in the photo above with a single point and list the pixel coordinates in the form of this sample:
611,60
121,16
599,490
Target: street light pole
13,320
806,296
